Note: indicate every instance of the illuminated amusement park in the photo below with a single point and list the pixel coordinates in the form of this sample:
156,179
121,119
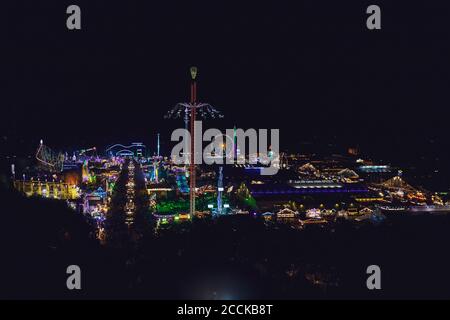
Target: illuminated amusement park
246,153
307,190
129,193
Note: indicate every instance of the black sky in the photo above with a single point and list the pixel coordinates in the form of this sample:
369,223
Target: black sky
310,68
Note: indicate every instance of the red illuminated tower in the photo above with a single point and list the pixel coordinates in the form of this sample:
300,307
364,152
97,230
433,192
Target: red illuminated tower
191,110
192,184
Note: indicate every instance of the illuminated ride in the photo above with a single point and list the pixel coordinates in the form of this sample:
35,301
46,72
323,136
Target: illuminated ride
182,183
86,175
156,162
84,151
189,111
222,208
219,191
50,160
85,154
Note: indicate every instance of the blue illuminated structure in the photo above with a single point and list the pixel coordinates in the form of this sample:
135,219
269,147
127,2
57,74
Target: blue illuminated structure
219,191
264,190
222,208
182,183
155,175
374,169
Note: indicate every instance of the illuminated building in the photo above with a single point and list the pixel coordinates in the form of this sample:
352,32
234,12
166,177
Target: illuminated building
369,199
314,184
342,214
374,216
305,187
348,174
397,184
313,221
56,190
418,197
365,211
313,214
286,214
308,168
184,216
352,210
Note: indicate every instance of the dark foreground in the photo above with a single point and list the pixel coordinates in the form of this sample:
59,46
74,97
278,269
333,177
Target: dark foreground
231,258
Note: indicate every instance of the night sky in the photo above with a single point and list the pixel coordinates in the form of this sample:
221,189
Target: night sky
310,68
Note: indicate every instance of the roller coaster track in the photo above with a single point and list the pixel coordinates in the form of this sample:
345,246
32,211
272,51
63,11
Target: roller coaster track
51,160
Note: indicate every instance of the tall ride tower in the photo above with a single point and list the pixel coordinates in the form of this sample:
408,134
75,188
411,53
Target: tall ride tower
192,182
189,111
220,191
